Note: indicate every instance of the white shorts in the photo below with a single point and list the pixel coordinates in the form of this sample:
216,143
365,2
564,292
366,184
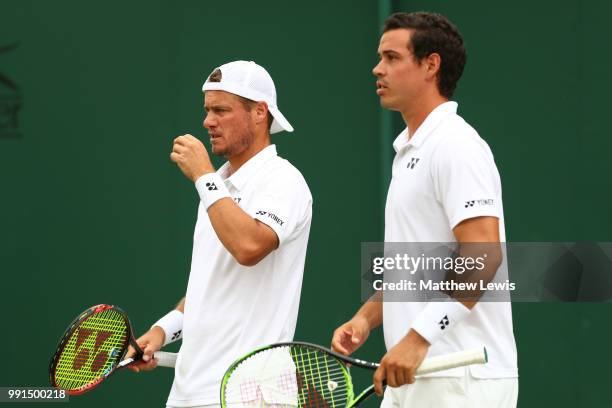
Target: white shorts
455,392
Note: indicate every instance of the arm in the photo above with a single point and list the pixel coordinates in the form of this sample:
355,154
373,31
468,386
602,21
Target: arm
181,305
470,234
150,342
351,335
398,366
248,240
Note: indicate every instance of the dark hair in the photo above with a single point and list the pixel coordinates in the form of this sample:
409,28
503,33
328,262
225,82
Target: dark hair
434,33
215,76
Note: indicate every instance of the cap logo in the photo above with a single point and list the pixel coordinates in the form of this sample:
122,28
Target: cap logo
215,76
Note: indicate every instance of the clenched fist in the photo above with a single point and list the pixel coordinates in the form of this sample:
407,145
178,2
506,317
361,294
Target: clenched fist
150,342
191,156
399,365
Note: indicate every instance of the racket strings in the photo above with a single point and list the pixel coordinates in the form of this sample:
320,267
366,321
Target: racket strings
93,349
331,387
301,377
308,374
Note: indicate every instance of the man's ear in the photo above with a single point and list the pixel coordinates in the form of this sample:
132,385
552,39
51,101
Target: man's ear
261,112
433,62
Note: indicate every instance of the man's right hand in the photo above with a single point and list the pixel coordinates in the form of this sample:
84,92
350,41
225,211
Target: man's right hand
351,335
150,342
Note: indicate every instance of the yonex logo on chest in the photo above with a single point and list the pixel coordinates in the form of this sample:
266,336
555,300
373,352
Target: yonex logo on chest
413,161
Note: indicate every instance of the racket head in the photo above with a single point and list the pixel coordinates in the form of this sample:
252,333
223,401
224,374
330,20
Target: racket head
290,375
91,348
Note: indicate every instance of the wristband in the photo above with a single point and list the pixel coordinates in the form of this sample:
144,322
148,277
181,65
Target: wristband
172,325
211,189
439,318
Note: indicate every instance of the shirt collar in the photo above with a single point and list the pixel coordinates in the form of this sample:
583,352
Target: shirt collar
248,169
432,121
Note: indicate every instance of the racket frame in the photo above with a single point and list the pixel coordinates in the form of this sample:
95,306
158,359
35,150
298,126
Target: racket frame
352,400
70,331
342,360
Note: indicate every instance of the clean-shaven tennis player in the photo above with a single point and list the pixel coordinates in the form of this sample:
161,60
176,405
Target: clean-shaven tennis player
250,238
445,188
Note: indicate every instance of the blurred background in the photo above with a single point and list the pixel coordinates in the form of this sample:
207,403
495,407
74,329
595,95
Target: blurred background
93,211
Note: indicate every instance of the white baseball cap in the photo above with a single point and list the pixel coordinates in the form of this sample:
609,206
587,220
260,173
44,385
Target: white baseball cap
251,81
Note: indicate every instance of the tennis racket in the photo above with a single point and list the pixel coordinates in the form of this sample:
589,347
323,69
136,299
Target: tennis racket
305,375
93,347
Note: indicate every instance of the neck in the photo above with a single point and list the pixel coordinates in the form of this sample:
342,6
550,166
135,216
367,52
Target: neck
259,143
415,115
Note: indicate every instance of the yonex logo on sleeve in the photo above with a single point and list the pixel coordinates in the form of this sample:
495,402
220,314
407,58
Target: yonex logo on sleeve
272,216
413,162
471,203
211,186
444,322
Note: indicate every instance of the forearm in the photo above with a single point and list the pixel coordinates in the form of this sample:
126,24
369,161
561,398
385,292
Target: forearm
181,305
438,317
240,234
171,325
478,240
492,258
372,311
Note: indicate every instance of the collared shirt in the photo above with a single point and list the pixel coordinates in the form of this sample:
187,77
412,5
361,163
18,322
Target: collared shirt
442,175
231,309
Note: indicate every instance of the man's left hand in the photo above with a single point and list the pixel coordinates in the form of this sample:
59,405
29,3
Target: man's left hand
399,365
191,156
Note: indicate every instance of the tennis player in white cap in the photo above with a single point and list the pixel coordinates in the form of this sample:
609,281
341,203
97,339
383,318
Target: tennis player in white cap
250,238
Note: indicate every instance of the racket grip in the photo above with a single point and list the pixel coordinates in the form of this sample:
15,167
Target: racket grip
452,360
165,359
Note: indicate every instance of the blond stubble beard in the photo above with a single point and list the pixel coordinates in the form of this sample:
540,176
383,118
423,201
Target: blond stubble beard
244,141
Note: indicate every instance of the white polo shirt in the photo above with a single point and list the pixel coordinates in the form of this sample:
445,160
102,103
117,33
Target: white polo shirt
443,175
232,309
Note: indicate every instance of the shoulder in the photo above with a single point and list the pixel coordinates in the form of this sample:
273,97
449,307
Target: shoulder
280,173
458,140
